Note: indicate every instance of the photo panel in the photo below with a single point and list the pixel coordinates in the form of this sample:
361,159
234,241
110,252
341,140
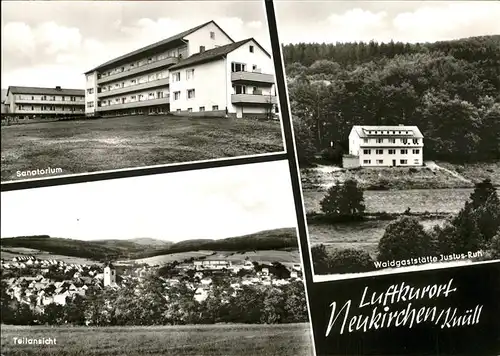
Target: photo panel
100,86
396,121
203,262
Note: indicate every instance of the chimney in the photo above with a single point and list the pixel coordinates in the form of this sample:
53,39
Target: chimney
401,125
58,87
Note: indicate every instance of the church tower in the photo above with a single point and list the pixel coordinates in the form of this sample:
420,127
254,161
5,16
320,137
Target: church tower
109,275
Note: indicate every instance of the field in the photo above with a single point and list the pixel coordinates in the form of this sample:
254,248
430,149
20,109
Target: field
8,253
435,175
207,340
126,142
397,201
267,256
360,235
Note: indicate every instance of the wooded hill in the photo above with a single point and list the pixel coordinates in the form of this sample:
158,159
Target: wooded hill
449,89
104,250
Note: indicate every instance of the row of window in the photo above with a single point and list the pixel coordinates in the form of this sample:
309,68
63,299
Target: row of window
131,82
403,151
175,53
389,132
48,108
49,98
415,141
130,99
381,161
201,109
190,94
176,76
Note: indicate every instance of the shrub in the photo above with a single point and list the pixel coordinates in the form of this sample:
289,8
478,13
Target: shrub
350,261
405,238
343,200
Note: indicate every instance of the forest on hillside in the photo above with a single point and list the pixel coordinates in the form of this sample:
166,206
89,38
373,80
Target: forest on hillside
449,89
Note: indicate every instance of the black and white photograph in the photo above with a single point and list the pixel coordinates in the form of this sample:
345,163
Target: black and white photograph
203,262
99,86
396,115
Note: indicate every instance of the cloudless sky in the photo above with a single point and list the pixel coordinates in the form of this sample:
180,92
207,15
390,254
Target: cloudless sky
210,203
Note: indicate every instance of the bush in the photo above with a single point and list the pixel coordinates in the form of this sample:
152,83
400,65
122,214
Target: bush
495,246
350,261
405,238
332,155
340,261
343,200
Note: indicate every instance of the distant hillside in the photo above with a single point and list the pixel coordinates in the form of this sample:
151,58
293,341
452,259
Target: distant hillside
102,250
263,240
150,242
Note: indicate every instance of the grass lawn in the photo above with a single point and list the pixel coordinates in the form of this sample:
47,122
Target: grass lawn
191,340
133,141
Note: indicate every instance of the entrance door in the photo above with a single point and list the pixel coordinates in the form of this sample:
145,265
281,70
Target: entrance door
393,162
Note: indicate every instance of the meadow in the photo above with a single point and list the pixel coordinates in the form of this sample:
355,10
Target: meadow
261,256
397,201
189,340
85,145
358,235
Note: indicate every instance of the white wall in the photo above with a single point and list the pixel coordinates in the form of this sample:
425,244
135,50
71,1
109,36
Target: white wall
201,37
209,83
354,142
90,83
259,58
388,158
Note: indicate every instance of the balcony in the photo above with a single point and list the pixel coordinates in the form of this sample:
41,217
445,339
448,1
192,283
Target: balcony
137,70
252,77
134,88
49,102
135,104
253,99
48,112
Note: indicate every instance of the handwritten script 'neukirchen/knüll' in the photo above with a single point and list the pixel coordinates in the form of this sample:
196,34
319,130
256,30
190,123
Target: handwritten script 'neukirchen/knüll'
407,315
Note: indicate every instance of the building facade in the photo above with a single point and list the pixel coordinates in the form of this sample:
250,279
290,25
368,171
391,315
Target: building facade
386,146
31,102
200,72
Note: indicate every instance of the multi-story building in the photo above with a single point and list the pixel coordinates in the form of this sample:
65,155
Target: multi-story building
199,72
32,102
383,146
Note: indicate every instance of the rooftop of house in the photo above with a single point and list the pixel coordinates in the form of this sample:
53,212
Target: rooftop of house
213,54
163,43
387,131
45,91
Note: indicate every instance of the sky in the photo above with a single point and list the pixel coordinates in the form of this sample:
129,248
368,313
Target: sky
50,43
406,21
209,203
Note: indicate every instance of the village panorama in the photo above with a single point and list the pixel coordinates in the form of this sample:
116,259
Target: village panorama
55,291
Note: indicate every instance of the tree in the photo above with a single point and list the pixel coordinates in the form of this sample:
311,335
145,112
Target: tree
304,142
482,192
320,259
405,238
344,200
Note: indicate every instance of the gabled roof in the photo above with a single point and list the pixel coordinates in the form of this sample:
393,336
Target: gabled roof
172,39
386,131
45,91
213,54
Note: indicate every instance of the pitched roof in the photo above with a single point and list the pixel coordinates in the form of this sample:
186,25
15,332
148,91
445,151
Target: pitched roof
45,91
164,42
213,54
384,131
